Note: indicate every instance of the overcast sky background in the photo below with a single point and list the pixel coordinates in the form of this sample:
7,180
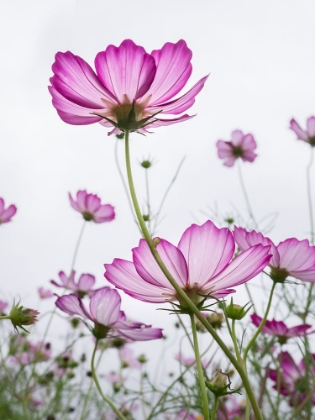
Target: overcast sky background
261,59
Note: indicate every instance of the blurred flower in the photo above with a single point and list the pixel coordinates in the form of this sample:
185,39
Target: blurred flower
185,361
215,319
44,293
201,264
290,258
20,316
6,214
23,352
82,287
3,305
307,135
107,317
89,205
128,359
241,146
231,408
280,330
292,380
130,90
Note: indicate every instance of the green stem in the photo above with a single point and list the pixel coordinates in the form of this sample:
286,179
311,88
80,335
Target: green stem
106,399
215,407
237,352
202,385
249,207
180,293
252,341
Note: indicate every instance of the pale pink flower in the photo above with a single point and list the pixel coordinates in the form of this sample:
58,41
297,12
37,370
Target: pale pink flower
130,90
241,146
280,330
290,258
185,360
104,311
89,205
128,359
6,214
24,352
201,264
3,305
83,286
307,135
292,378
44,293
231,408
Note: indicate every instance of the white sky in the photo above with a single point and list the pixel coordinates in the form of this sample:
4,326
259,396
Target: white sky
261,59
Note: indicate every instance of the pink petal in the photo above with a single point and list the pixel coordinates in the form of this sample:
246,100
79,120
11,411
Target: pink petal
73,203
162,122
180,104
72,305
150,271
243,268
141,334
296,255
173,71
8,213
86,282
81,200
225,149
1,205
92,203
310,125
304,275
105,306
301,134
125,70
207,251
237,137
124,276
75,80
105,213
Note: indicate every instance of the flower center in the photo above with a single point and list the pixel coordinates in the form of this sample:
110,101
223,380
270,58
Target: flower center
87,216
237,151
278,274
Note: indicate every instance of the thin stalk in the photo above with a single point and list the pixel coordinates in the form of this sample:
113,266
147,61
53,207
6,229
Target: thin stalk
263,321
148,198
215,407
184,298
202,385
233,335
106,399
248,205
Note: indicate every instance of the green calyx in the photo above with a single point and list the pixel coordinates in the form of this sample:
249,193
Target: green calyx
236,312
100,331
220,384
278,275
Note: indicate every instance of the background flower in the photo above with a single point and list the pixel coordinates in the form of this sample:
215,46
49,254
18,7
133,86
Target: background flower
6,214
241,146
89,205
307,135
83,286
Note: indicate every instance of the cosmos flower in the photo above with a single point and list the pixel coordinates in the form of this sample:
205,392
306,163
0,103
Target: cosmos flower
82,287
280,330
131,89
241,146
89,205
293,380
307,135
6,214
104,311
44,293
290,258
201,264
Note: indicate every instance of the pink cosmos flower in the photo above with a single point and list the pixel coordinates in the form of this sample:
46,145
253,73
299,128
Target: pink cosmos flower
3,305
44,293
201,264
293,378
241,146
130,90
82,287
128,359
290,258
307,135
280,330
6,214
105,312
89,205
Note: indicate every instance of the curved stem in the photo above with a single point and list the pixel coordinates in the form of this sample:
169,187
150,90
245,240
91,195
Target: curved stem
189,304
107,400
249,207
202,385
76,250
237,352
309,195
263,321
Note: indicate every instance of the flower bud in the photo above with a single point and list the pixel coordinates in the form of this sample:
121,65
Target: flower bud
236,312
20,316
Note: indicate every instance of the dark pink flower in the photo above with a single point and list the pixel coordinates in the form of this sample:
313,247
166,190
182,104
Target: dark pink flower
294,380
83,286
44,293
104,311
6,214
89,205
290,258
130,90
280,330
201,264
307,135
241,146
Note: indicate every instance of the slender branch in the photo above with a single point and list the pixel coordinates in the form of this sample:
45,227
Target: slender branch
249,207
